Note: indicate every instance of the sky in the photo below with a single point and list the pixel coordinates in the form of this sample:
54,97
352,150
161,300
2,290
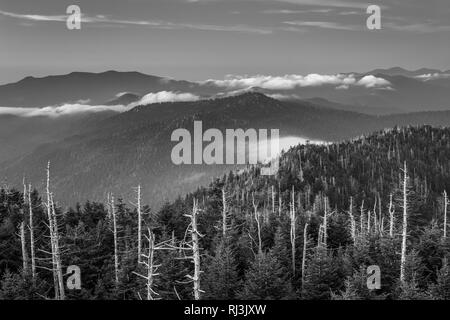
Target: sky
209,39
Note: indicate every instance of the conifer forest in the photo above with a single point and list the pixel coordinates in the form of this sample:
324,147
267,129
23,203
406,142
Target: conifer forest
360,219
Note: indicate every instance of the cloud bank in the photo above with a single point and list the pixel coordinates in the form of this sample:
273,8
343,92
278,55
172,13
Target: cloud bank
433,76
68,109
57,111
164,96
289,82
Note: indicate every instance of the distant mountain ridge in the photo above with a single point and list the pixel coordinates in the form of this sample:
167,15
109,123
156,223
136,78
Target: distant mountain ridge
398,71
407,92
98,88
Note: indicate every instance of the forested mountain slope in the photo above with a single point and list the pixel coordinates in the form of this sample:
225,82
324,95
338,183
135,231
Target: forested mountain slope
122,151
308,233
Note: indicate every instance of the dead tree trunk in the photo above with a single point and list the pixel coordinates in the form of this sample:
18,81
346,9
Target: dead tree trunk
405,223
352,220
224,213
149,262
273,199
445,214
195,250
22,233
24,247
52,237
280,201
391,216
150,266
31,227
139,212
59,271
320,236
325,222
305,243
258,223
116,253
361,219
293,230
375,222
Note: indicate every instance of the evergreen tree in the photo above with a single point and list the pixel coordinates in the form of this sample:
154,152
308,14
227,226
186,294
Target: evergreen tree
265,280
220,280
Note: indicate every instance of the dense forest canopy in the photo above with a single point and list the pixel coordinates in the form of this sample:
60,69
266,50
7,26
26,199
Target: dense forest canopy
310,232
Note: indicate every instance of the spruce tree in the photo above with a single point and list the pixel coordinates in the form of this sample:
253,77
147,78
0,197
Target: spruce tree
265,280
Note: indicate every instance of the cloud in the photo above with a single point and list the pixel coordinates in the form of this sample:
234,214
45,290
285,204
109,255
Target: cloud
372,82
417,28
34,17
322,25
316,3
280,96
433,76
287,11
288,82
164,96
328,3
68,109
157,24
57,111
120,94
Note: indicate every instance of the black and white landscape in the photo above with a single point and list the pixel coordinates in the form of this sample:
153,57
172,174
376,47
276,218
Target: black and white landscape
92,205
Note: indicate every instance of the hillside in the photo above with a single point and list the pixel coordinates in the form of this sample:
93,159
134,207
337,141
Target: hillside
118,153
318,195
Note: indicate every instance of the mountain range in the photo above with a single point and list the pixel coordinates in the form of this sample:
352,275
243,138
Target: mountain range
114,152
380,91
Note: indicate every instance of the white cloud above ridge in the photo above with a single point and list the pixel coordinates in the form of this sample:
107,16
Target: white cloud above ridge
292,81
433,76
164,96
69,109
62,110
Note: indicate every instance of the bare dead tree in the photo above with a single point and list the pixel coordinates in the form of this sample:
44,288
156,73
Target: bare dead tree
22,232
108,207
31,227
445,213
280,201
258,223
325,222
54,241
305,245
380,217
405,223
116,249
224,213
391,216
362,218
375,222
149,262
57,252
320,236
195,247
150,266
293,229
273,199
352,220
139,222
50,225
